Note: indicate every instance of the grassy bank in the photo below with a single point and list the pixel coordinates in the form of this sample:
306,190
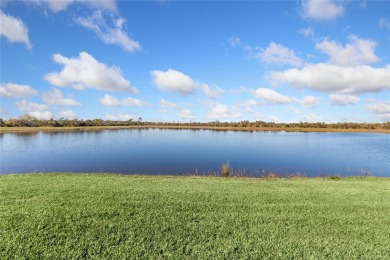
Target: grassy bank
63,216
97,128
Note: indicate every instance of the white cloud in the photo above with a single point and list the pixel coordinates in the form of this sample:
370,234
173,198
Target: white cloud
44,115
332,78
111,101
295,110
207,102
14,29
276,53
61,5
357,52
173,81
166,104
176,81
217,92
380,109
118,117
109,35
86,72
55,97
234,41
271,96
274,97
307,32
248,105
239,90
181,112
222,111
186,114
34,109
12,90
30,106
384,23
313,118
69,114
384,117
308,101
343,100
321,10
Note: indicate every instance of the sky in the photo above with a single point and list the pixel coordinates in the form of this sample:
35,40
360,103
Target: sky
281,61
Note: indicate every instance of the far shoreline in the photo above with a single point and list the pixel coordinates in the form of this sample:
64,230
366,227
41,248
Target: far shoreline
183,127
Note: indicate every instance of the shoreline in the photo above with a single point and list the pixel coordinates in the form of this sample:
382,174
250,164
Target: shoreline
270,176
215,128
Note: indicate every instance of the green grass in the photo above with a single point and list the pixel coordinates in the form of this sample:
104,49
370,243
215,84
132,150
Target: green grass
65,216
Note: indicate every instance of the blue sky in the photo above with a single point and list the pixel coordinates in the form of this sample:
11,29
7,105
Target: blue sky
282,61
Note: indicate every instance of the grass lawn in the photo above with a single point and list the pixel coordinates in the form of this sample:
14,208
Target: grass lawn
64,216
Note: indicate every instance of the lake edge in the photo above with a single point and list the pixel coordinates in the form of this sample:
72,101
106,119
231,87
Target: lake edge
215,128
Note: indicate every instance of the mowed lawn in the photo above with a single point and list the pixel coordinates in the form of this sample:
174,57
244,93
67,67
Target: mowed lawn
64,216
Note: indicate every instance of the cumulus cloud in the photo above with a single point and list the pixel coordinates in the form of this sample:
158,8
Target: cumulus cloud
86,72
380,109
61,5
176,81
308,101
212,92
111,101
321,10
109,34
55,97
14,29
343,100
69,114
181,112
234,41
222,111
34,109
248,105
186,114
11,90
26,106
173,81
333,78
118,117
271,96
44,115
357,52
277,53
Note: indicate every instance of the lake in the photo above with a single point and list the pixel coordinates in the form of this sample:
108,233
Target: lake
201,152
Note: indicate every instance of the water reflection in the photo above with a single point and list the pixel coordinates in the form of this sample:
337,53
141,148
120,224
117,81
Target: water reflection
197,151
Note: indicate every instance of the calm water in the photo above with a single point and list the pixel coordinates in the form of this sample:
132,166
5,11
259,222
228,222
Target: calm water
154,151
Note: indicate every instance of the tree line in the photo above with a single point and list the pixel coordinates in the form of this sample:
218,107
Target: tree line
30,121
